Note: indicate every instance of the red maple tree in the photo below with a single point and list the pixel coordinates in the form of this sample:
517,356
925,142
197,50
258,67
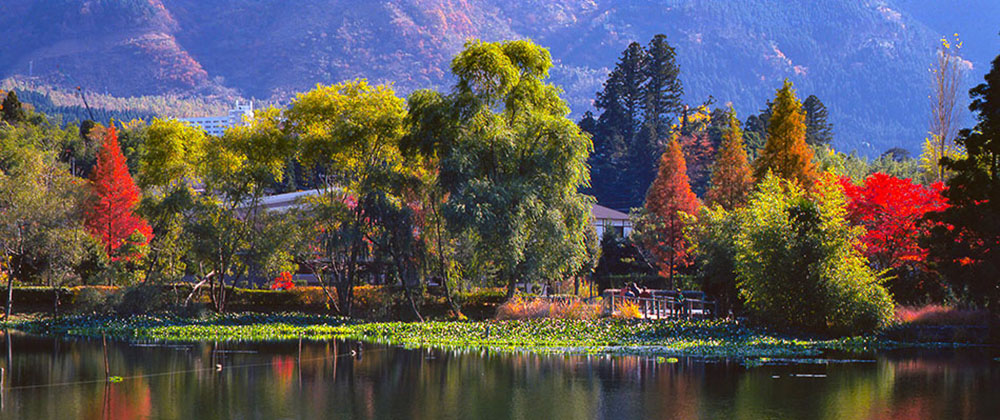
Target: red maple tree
892,210
110,215
668,196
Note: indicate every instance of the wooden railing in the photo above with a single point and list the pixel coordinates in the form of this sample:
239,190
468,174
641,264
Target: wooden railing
661,307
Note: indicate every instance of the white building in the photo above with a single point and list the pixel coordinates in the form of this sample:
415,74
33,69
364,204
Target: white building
603,217
216,126
610,219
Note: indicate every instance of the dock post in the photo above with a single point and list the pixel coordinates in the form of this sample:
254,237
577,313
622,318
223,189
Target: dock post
107,369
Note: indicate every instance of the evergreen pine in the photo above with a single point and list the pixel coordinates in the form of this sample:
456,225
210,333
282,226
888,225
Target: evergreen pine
818,130
12,109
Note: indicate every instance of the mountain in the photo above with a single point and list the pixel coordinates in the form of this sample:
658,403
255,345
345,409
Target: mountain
866,59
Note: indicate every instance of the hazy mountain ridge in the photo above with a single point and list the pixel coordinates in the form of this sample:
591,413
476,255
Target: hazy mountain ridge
867,60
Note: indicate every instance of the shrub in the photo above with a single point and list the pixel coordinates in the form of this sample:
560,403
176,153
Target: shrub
91,300
140,299
940,315
575,310
522,308
628,310
798,263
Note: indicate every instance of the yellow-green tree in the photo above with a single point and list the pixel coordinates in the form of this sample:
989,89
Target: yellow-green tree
786,153
228,223
349,133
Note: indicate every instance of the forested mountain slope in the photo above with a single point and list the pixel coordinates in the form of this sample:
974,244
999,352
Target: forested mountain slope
866,59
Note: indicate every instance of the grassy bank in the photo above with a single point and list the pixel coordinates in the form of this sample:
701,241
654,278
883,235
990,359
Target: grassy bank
603,336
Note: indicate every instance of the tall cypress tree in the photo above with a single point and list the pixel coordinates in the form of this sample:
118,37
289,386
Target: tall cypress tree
818,130
110,216
731,179
663,226
785,152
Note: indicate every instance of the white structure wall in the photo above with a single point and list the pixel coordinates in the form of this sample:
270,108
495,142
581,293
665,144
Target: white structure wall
216,126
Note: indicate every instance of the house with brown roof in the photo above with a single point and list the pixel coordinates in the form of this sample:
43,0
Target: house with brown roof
610,219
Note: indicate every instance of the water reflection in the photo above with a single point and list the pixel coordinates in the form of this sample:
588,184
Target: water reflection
54,379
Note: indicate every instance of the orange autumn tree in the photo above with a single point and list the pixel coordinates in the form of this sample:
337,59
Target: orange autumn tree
660,226
786,153
731,178
110,215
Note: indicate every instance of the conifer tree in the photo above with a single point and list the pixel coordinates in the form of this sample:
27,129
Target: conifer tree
731,179
786,153
661,227
110,216
12,110
818,130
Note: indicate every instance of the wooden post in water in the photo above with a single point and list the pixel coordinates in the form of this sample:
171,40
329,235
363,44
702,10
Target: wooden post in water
107,369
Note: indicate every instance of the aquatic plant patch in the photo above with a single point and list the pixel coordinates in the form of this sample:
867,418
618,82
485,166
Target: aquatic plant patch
708,338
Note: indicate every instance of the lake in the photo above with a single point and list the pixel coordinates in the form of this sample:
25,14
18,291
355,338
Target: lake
49,378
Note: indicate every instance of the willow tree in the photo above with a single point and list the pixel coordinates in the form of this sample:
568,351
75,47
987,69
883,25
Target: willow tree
350,133
511,162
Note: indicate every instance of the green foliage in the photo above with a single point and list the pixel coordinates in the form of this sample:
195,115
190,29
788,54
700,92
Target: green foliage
41,234
510,162
798,265
713,238
350,132
174,154
818,130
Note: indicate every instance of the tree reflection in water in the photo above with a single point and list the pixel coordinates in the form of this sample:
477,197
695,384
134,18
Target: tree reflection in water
49,378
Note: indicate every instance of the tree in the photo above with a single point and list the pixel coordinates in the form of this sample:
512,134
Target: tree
639,99
40,230
619,257
712,240
227,223
947,73
621,102
892,211
661,225
966,248
350,132
786,153
511,163
110,215
731,179
173,163
13,112
818,131
798,261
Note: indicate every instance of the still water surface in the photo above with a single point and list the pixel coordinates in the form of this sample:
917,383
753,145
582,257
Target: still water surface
50,378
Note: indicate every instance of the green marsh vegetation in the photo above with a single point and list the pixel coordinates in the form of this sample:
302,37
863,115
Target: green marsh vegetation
707,338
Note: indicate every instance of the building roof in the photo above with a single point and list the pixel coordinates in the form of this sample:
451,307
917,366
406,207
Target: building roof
601,212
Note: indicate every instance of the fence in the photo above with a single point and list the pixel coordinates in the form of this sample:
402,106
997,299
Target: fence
663,305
